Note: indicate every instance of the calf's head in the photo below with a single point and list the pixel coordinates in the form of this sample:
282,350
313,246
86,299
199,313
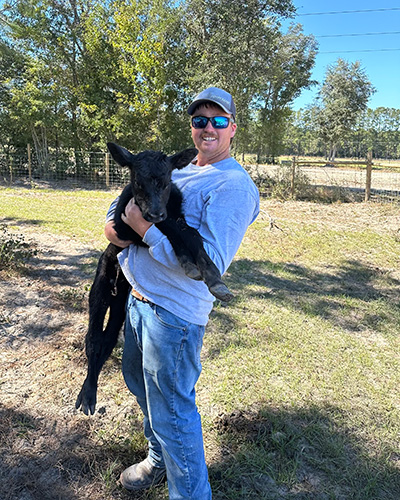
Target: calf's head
151,177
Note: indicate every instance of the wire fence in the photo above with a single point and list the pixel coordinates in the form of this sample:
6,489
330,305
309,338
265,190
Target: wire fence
344,179
294,177
77,168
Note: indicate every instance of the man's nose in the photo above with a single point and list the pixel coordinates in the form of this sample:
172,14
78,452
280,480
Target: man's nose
209,127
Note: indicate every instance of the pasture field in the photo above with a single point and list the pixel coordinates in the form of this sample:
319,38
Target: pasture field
299,393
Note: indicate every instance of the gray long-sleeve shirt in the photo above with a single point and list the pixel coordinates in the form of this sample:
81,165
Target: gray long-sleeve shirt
220,201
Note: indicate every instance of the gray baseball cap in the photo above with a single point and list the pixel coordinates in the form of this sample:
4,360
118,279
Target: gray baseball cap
217,96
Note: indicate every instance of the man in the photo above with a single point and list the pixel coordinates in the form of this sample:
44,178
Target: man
167,311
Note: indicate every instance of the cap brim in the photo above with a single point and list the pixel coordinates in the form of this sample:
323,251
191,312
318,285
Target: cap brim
197,103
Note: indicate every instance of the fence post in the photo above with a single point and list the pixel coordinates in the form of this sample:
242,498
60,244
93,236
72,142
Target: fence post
368,177
292,179
29,163
11,169
107,163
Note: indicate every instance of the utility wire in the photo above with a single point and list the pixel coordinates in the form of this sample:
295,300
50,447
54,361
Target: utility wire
391,9
357,51
359,34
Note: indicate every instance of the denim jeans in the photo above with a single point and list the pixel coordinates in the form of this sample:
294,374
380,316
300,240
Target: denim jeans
161,365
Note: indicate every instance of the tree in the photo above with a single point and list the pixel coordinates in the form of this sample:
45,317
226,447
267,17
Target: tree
125,70
146,42
287,72
343,96
113,65
239,46
300,136
12,67
48,33
379,130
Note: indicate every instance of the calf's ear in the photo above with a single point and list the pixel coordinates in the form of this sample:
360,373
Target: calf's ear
121,155
182,159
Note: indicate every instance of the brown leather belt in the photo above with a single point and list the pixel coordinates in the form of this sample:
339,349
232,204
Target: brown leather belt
139,296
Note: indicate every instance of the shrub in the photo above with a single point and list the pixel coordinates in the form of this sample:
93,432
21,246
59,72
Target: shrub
282,188
14,250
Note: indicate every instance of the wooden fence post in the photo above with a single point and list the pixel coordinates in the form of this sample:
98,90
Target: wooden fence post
29,163
368,177
11,170
107,162
292,180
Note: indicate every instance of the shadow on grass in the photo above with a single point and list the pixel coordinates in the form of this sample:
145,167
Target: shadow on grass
36,463
296,453
301,453
44,459
18,221
40,298
345,296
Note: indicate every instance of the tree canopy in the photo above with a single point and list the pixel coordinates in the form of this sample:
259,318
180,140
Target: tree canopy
77,73
343,96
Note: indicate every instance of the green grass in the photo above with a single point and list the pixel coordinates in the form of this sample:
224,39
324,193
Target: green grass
78,214
310,349
301,373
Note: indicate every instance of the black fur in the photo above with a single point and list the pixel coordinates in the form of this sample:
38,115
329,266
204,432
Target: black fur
160,202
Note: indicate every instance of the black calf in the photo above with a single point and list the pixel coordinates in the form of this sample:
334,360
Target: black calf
160,202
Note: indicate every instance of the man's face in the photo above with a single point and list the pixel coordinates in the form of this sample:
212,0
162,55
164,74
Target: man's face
213,144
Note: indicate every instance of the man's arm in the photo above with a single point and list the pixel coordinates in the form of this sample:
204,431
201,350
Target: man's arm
226,217
112,236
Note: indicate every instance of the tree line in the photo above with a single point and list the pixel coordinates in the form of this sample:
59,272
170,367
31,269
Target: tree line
78,73
75,74
340,122
376,130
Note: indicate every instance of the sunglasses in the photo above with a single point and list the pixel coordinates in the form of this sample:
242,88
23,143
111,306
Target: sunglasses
216,121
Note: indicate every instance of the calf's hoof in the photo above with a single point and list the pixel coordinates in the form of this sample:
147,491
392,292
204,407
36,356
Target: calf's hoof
192,271
221,292
86,401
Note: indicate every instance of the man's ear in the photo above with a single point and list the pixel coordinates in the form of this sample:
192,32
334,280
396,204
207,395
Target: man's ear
233,131
121,155
182,159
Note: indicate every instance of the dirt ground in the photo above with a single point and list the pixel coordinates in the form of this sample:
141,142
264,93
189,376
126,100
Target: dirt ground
49,450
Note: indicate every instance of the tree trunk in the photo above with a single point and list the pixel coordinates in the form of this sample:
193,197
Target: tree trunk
332,152
40,143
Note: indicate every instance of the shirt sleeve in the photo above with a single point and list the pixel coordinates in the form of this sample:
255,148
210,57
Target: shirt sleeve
111,210
225,219
160,248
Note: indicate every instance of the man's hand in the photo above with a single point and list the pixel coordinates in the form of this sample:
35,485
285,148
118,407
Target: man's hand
133,217
112,236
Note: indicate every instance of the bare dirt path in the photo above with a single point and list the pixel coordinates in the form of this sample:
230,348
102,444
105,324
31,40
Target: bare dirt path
48,450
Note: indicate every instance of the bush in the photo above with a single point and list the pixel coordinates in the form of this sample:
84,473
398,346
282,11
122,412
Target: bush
14,250
282,188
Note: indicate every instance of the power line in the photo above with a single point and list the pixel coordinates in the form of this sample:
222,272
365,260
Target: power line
357,51
391,9
359,34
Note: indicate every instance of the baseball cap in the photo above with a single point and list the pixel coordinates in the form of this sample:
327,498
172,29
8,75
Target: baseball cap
217,96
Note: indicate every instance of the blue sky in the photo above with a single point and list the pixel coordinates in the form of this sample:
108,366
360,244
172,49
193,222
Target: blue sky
381,65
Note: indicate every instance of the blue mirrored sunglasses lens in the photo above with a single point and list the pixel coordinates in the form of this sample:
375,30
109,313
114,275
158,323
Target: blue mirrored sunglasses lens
216,121
199,122
219,121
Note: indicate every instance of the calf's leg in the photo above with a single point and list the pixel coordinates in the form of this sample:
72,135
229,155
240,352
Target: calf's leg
109,291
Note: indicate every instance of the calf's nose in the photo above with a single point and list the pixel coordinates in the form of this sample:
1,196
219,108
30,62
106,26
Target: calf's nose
157,217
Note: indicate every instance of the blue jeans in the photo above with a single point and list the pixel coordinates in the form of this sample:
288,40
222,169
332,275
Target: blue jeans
161,365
